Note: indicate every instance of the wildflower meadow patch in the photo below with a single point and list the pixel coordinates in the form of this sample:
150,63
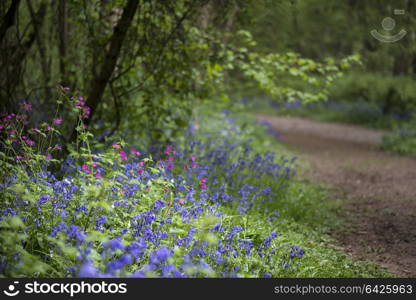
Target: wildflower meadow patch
122,213
212,204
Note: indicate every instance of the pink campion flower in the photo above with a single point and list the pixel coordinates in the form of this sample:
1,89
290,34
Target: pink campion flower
181,201
168,149
193,158
79,103
134,152
203,186
140,171
174,152
48,157
194,166
30,142
142,163
170,158
203,180
21,118
98,176
85,168
57,121
24,137
123,155
94,164
116,147
81,98
26,106
86,112
170,166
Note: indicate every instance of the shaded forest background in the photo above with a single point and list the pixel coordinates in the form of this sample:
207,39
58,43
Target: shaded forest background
145,64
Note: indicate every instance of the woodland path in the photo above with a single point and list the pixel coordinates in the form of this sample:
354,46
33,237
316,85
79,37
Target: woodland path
377,189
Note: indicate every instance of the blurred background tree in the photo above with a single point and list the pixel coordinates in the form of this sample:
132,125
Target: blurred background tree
325,28
146,64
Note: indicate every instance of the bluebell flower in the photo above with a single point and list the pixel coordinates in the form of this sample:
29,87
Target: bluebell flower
296,251
9,211
266,191
58,228
217,228
168,270
88,270
273,216
75,233
160,255
113,266
43,199
115,244
100,221
159,204
81,208
137,249
138,274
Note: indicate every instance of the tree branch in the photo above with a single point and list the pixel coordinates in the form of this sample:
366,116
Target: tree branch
100,82
9,18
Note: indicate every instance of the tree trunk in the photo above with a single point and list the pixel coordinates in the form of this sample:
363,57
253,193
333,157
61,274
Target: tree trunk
63,40
100,81
44,63
12,58
9,18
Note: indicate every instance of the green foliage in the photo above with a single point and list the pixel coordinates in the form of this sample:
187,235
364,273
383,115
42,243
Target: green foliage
394,94
49,225
317,29
170,61
86,223
402,140
306,212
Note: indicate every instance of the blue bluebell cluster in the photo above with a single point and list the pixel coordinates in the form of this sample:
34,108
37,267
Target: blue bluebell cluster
140,218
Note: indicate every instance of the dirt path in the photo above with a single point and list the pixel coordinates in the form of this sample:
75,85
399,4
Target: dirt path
377,189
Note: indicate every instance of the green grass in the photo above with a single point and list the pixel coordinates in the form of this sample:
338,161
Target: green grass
397,142
357,113
306,215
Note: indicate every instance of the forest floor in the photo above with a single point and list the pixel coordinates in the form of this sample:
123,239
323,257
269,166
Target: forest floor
377,190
